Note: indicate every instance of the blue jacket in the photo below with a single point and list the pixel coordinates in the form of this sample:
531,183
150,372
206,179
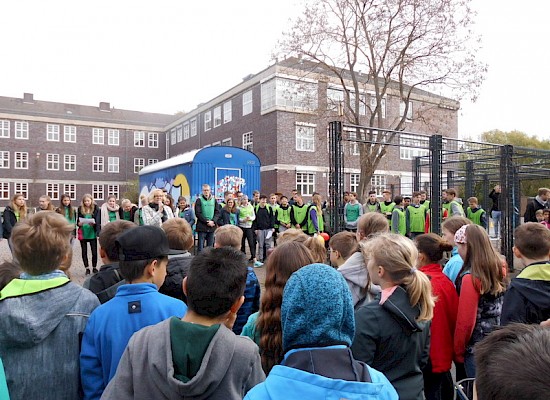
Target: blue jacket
453,266
294,379
251,301
112,324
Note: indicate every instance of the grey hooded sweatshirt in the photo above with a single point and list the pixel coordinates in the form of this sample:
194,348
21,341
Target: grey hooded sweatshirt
230,367
356,275
40,341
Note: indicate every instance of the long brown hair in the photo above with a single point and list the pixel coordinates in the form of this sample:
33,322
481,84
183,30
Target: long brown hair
285,259
483,261
21,210
61,208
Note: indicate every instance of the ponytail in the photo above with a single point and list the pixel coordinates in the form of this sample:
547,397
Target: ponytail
419,289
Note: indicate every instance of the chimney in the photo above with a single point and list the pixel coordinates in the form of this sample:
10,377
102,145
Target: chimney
104,106
28,98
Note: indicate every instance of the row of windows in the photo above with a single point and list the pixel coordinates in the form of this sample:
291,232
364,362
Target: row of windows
305,183
53,134
55,190
53,162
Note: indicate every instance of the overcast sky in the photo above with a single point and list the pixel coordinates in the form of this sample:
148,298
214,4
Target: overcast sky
169,56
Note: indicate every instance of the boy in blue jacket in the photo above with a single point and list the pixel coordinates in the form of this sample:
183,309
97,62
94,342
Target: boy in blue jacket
318,327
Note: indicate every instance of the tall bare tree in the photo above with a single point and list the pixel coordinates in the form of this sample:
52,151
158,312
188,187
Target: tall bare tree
388,47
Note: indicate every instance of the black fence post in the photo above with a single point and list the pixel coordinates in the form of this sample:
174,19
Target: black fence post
416,174
469,186
336,176
436,155
509,202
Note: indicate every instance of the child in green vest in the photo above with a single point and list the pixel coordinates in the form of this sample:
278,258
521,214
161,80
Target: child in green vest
386,207
315,222
282,215
352,211
299,213
398,218
415,217
454,207
475,213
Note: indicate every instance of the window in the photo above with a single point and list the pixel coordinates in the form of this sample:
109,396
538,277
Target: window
69,134
362,103
247,102
207,121
21,160
247,141
52,162
4,129
305,137
353,146
69,162
113,138
290,94
335,99
409,110
227,112
217,116
413,146
97,135
226,142
4,159
179,133
217,143
378,183
52,133
186,131
373,105
70,189
112,165
152,161
113,190
52,190
305,183
97,192
193,127
97,164
23,188
4,191
139,163
354,182
139,139
21,130
153,140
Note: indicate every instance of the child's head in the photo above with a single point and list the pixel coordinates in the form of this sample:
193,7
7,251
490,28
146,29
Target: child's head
291,235
546,215
398,200
372,196
143,254
45,203
416,198
371,223
342,245
263,200
529,348
244,200
41,243
109,233
423,195
182,202
431,248
228,235
386,194
392,258
539,214
532,241
216,281
284,201
126,205
65,200
406,201
8,272
352,196
472,202
179,233
451,194
111,201
317,309
87,201
231,205
18,202
273,198
451,225
317,249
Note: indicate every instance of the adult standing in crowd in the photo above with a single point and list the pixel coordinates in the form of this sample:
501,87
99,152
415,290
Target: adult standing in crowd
207,212
496,213
540,202
109,211
156,212
127,210
68,211
15,212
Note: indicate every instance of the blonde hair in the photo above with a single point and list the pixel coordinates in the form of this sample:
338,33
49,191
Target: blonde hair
49,200
83,210
292,235
229,235
42,242
372,223
21,210
398,255
317,249
179,233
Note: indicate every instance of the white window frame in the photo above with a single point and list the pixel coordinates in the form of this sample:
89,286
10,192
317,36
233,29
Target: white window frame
98,164
69,162
153,140
186,131
4,128
227,112
411,147
218,143
207,120
113,190
289,94
179,133
21,160
378,183
248,102
69,134
139,139
193,127
22,188
335,99
52,162
152,161
21,130
139,163
305,137
227,142
97,192
70,189
98,136
409,111
52,133
4,190
217,116
113,137
4,159
305,183
248,141
113,165
373,105
353,146
354,182
173,136
52,190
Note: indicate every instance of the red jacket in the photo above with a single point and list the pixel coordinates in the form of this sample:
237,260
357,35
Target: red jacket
444,320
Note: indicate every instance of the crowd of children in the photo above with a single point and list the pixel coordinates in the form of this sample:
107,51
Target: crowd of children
387,320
